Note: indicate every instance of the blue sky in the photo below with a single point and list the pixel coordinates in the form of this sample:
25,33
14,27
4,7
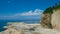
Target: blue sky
19,9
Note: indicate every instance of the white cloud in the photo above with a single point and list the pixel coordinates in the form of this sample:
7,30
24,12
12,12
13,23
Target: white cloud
27,13
36,12
31,13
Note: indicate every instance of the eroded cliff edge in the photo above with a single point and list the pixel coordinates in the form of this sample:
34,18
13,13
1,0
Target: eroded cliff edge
51,17
46,21
55,20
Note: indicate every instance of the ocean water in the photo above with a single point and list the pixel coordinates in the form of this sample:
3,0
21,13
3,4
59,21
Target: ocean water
4,22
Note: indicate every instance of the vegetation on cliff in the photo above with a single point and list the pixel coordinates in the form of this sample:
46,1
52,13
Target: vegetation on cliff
46,17
49,10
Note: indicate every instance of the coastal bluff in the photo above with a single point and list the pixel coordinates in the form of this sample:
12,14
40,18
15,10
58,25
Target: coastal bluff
50,18
51,21
55,20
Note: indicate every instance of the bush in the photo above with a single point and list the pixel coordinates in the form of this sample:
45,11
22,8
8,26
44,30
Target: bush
49,10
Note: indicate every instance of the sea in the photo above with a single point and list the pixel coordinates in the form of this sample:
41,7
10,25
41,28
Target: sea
4,22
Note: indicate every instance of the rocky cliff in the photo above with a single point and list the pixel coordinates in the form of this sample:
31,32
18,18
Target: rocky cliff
55,19
51,18
46,21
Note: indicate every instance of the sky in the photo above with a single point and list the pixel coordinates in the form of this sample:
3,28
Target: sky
24,9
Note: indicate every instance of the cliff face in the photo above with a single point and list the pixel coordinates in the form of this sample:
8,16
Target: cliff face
46,21
51,17
51,20
55,20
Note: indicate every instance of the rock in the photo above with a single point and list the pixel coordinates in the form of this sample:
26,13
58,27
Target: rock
51,21
14,28
46,21
55,19
19,28
11,31
47,31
